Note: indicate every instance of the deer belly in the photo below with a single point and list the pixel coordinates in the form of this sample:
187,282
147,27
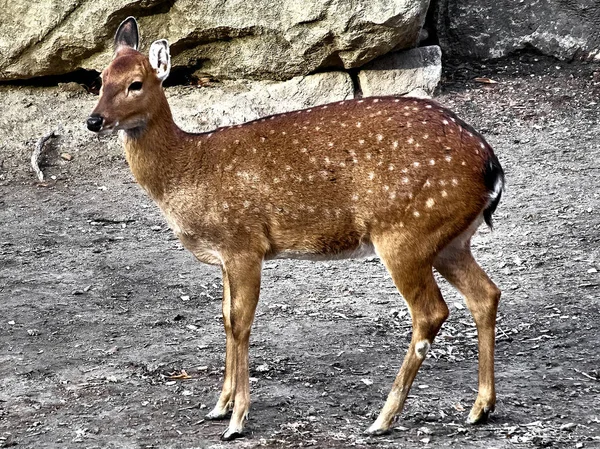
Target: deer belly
364,249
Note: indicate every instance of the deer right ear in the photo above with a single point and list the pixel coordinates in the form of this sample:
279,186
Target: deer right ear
160,58
128,34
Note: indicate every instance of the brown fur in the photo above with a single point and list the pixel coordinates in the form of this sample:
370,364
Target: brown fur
403,176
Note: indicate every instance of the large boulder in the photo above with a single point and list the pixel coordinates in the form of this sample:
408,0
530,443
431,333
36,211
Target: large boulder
224,39
488,29
238,101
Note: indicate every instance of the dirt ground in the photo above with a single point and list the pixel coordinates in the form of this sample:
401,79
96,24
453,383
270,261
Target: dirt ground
100,306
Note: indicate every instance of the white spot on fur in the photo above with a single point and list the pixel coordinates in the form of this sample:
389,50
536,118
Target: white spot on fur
430,203
481,144
445,122
422,348
391,167
358,124
375,100
361,141
405,180
428,106
317,128
371,176
432,162
355,197
416,164
379,137
454,182
444,193
330,144
411,140
448,158
395,144
425,136
416,214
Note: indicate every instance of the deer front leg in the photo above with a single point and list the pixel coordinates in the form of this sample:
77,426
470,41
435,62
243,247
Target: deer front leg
243,273
225,403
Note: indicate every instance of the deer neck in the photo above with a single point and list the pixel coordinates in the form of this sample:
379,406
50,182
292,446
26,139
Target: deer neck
153,151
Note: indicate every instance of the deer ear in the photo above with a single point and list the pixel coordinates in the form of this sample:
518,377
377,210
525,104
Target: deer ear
128,34
160,58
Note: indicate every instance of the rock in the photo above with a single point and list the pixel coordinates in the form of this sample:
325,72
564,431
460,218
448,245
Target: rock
235,102
258,40
496,28
416,71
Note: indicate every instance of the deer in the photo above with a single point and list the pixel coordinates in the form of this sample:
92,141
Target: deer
399,178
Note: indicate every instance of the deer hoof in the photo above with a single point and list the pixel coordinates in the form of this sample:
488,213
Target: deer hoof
479,415
375,431
229,434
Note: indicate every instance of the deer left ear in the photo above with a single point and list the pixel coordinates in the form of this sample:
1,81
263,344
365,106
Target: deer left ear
160,58
128,34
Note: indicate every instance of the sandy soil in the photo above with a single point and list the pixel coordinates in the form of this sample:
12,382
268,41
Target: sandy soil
99,304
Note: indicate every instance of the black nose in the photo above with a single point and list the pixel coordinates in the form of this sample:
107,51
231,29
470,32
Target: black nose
94,123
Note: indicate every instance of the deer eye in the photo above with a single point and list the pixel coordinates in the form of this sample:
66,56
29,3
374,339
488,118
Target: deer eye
136,85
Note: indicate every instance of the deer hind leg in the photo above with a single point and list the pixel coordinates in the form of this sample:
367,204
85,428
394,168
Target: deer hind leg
225,403
457,265
414,279
243,274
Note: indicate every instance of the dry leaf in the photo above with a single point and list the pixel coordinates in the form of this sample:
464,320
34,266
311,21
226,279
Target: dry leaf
180,376
485,80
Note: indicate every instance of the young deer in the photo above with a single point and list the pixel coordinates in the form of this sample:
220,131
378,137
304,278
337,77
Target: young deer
401,178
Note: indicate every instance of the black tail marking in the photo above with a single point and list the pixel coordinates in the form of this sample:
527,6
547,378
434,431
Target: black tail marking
494,182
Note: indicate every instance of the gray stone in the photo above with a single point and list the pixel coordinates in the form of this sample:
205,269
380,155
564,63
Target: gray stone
416,72
259,40
495,28
235,102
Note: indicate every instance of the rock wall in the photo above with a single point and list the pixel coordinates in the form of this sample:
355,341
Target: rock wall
224,39
486,29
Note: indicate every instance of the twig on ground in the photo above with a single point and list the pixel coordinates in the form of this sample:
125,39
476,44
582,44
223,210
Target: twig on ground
584,374
39,148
